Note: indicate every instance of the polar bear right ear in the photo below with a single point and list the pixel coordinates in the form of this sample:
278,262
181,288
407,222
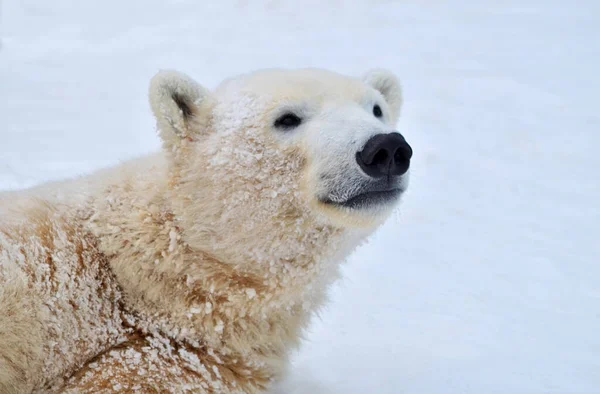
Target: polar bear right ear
389,86
180,105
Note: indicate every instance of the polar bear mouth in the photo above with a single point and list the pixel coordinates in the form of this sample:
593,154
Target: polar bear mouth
368,199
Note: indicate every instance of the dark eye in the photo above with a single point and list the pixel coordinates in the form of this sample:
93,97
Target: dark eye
377,111
288,121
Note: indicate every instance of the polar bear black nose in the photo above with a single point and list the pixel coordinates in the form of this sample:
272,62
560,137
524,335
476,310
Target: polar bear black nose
385,155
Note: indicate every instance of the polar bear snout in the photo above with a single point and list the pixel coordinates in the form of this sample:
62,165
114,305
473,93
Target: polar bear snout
385,155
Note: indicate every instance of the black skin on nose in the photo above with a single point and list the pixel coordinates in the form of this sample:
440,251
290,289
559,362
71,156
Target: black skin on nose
385,155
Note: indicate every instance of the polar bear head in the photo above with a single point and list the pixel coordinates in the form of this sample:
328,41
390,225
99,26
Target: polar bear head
291,148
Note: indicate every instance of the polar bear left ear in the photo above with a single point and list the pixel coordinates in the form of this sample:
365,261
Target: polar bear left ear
389,86
180,106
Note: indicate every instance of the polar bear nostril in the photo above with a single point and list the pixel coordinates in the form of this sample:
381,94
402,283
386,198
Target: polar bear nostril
401,162
385,155
382,160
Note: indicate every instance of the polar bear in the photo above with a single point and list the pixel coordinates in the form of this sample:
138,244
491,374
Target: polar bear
197,268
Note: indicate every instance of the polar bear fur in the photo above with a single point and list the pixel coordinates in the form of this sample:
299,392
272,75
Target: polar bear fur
194,269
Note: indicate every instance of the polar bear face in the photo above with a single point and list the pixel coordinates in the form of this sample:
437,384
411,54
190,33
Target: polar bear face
288,144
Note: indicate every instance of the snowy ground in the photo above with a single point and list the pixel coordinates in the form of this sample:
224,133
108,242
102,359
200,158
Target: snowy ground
489,282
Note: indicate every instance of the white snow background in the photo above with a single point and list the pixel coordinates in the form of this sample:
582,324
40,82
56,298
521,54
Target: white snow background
488,281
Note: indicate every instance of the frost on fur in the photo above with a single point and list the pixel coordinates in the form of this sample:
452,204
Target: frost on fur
197,268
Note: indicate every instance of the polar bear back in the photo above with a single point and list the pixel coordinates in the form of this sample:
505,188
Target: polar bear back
57,288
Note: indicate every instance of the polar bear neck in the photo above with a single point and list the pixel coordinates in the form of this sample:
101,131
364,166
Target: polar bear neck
255,308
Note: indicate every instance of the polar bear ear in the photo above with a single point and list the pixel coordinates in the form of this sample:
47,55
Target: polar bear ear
389,86
180,105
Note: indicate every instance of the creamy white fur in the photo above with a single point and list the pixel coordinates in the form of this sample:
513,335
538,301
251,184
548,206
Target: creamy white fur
204,261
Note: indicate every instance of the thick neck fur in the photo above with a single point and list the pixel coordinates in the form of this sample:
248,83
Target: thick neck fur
212,274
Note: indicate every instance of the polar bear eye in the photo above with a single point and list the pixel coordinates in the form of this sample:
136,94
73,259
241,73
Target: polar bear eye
377,111
288,121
